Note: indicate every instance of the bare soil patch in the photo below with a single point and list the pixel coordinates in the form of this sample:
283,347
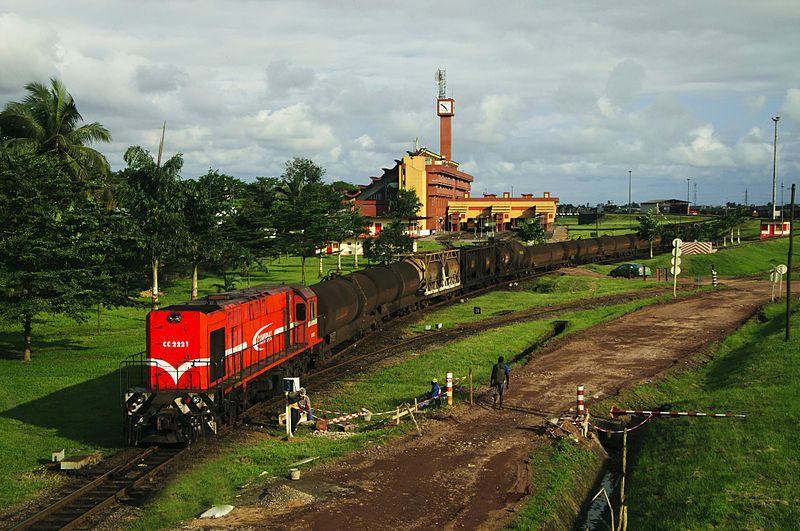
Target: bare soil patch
471,470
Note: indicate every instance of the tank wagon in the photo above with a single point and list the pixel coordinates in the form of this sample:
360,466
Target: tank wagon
208,359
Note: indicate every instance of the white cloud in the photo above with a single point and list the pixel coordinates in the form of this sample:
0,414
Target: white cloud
292,127
29,51
704,150
791,104
546,97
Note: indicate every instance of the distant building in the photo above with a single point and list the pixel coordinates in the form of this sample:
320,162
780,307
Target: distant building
500,213
665,206
444,190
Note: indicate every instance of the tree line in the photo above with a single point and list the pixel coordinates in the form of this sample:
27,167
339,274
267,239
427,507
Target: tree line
75,234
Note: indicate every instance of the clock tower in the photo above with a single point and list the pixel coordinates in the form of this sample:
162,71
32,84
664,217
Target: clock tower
445,108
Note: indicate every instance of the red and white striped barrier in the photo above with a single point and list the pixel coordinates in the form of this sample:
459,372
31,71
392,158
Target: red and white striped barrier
643,413
449,387
581,402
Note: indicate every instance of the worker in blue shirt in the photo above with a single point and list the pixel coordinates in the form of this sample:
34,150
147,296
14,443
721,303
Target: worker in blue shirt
436,391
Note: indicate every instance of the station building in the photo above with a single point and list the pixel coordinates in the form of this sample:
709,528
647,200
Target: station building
445,191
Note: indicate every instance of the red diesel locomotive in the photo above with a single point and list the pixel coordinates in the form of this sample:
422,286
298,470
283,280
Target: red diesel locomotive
204,359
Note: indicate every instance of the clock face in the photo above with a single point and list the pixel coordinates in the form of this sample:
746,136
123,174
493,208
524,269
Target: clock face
445,107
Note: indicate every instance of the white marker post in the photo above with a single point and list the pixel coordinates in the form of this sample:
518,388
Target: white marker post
676,264
580,402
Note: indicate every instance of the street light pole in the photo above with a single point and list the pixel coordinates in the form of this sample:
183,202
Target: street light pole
774,162
781,206
629,196
629,192
688,200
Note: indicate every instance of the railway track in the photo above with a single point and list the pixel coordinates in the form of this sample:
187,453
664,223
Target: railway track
77,508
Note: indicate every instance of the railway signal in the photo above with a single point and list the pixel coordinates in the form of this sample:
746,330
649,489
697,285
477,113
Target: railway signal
676,264
776,277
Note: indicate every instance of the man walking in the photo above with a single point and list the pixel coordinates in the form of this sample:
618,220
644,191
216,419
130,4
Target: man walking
500,380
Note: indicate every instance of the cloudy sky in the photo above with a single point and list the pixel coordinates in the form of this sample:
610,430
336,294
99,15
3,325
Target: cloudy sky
564,97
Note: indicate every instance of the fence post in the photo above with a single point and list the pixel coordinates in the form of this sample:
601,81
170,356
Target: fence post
449,388
470,386
581,408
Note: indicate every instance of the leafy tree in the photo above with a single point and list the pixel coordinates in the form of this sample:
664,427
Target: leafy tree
153,198
46,120
649,229
208,203
60,249
531,231
308,212
389,244
344,186
350,225
404,204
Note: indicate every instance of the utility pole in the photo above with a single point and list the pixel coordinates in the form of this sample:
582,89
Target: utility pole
774,162
789,268
695,195
629,192
688,199
781,206
745,198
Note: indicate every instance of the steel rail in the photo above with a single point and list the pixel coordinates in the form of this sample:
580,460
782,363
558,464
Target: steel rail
75,508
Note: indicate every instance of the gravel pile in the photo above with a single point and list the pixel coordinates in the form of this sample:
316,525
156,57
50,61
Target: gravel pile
284,497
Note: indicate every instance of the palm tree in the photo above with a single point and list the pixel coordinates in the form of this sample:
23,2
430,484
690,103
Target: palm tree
46,120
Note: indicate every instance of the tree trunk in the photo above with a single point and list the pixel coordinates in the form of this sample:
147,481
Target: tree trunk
355,254
320,265
99,311
651,248
154,289
194,282
303,269
739,235
26,338
339,262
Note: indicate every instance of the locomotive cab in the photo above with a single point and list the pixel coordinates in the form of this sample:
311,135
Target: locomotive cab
205,359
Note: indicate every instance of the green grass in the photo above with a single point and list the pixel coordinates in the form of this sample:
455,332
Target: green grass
618,224
544,291
557,470
428,245
703,473
750,258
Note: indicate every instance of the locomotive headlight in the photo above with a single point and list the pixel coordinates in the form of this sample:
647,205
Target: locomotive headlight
174,317
196,399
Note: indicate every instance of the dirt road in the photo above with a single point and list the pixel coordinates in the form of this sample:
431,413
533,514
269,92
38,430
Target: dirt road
467,471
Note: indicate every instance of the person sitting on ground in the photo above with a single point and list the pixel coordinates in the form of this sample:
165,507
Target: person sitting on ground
435,391
304,403
500,381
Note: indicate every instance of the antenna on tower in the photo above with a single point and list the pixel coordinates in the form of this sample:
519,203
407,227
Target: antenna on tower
441,81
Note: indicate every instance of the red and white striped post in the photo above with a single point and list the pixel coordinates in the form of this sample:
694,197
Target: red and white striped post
581,407
449,387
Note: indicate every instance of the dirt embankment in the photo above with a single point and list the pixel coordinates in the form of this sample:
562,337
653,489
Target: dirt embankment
471,471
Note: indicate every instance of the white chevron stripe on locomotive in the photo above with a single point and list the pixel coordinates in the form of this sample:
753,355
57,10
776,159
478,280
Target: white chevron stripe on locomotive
176,373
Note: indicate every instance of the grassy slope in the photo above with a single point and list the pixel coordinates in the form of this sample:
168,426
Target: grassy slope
722,473
752,258
540,292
